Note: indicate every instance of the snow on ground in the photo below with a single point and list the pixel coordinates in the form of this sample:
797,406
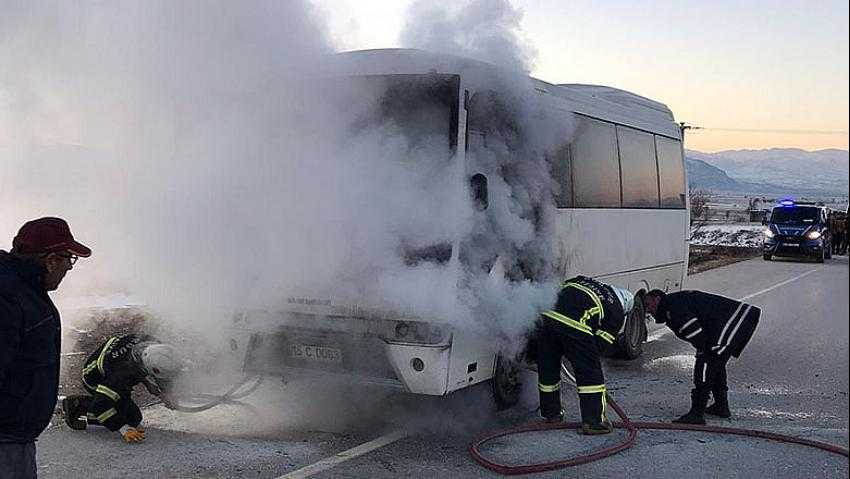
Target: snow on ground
741,235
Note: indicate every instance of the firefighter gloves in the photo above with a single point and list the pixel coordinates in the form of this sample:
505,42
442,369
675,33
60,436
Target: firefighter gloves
132,435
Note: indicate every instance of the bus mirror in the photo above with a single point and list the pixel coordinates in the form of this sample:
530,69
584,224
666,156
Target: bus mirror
478,191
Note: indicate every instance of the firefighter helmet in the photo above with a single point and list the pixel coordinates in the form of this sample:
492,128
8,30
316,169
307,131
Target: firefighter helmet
627,299
159,360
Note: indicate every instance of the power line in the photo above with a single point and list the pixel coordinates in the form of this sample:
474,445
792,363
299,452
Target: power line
768,130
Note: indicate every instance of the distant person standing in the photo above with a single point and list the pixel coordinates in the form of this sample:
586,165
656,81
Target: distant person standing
719,328
30,333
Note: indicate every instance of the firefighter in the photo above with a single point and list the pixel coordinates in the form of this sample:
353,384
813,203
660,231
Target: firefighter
109,375
587,316
719,328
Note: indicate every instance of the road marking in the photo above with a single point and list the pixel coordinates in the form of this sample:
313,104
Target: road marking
656,335
795,278
343,456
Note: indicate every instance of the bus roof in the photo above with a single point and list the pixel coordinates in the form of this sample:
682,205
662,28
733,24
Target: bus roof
602,102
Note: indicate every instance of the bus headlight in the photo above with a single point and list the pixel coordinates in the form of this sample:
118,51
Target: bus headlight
813,235
768,232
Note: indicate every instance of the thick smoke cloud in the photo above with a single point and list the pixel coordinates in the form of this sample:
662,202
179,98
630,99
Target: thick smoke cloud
514,138
183,143
486,30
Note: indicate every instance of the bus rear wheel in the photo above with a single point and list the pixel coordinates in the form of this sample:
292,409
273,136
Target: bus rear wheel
630,344
506,383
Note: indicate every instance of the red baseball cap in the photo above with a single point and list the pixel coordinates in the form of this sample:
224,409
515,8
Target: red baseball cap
48,235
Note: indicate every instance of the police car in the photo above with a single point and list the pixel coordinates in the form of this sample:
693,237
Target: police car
797,229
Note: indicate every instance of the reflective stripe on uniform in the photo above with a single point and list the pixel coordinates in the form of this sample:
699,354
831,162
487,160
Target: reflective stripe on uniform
596,388
606,336
735,329
684,326
549,388
593,296
90,367
588,314
107,392
696,331
103,353
568,321
604,406
107,414
728,322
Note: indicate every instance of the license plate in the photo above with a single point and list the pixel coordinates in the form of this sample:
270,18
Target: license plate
792,244
315,353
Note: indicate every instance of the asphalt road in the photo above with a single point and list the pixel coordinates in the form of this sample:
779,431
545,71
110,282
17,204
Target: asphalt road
793,379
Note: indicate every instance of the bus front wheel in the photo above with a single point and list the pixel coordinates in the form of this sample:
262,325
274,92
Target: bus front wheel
630,344
506,383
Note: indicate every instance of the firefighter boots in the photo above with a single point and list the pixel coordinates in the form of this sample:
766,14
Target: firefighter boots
604,427
720,407
73,408
697,413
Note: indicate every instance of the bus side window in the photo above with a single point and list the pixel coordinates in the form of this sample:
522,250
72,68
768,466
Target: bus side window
638,166
478,191
595,165
671,172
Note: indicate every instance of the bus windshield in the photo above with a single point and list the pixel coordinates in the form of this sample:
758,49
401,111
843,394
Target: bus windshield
794,215
421,108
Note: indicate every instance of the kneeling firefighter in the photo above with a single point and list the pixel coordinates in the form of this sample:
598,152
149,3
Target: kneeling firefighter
585,321
109,375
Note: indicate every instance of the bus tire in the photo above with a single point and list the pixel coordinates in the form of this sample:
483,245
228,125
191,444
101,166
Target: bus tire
629,345
506,384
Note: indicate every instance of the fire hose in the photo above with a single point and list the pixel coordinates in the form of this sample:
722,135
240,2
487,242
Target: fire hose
632,428
198,402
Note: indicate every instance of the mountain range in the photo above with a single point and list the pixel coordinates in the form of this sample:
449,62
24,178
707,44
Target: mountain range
770,171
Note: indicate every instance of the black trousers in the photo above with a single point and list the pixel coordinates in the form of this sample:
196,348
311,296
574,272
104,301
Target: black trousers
556,340
125,407
710,366
710,373
17,460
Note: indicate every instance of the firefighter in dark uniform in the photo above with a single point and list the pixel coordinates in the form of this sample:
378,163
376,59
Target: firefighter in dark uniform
109,375
719,328
586,319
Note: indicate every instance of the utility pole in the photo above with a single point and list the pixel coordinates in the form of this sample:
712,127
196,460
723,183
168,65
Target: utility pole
684,126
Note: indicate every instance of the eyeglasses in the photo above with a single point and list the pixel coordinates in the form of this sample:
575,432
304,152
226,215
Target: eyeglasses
70,257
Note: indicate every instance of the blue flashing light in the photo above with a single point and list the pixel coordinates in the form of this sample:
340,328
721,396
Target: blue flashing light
786,203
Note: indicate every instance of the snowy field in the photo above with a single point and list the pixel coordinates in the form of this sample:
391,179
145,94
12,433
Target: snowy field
740,235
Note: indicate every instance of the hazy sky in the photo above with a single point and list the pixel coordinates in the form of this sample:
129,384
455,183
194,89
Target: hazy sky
722,65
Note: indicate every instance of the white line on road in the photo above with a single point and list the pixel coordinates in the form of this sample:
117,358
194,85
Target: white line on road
795,278
660,333
343,456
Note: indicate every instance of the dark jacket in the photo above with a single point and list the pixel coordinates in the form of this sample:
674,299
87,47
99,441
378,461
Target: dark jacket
578,306
30,335
109,374
711,323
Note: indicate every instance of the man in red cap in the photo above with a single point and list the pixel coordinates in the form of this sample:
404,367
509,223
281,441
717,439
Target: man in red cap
42,253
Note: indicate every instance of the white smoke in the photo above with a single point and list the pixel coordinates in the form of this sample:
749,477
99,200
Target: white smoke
182,144
521,136
486,30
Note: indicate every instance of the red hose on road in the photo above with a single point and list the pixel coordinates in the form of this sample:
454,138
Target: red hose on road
632,427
